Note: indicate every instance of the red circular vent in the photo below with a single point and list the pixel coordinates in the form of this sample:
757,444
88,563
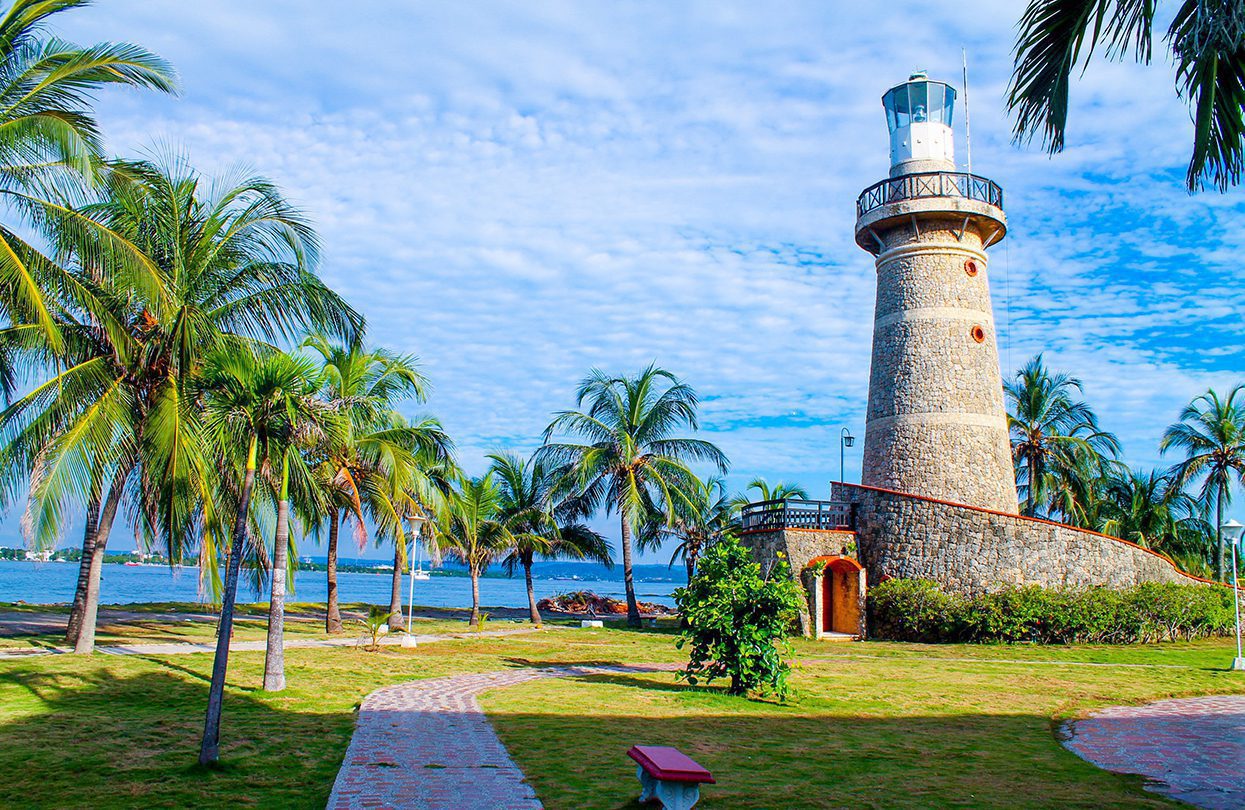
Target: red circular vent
978,333
971,267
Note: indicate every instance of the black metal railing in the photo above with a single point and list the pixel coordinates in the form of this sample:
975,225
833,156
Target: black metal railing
792,514
929,184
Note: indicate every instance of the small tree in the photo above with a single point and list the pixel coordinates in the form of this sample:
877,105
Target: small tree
738,621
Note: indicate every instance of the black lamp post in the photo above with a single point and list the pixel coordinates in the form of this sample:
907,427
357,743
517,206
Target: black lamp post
846,439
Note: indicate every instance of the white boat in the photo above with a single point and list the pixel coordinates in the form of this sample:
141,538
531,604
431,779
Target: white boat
419,572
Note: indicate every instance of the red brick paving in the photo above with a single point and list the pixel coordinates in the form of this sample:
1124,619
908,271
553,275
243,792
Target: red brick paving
427,745
1193,748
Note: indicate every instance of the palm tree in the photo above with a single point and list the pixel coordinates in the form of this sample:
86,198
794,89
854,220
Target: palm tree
1148,508
1054,435
471,527
780,491
116,421
50,143
706,519
381,455
542,525
1205,41
630,463
260,404
1211,432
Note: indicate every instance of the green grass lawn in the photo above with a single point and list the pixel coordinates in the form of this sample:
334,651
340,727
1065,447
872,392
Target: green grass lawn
151,623
870,725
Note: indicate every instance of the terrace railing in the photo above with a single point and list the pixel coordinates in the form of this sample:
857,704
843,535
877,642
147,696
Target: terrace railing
929,184
793,514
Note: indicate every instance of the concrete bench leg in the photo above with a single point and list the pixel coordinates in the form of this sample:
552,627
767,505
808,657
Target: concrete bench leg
678,795
672,795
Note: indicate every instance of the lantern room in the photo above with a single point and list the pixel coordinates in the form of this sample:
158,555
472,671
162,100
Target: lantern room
918,115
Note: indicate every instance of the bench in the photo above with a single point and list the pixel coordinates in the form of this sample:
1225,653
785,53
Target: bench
669,776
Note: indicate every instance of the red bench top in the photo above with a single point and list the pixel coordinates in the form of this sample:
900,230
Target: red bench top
669,764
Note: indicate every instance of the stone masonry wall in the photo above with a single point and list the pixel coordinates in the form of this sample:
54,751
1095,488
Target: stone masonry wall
936,423
800,546
971,550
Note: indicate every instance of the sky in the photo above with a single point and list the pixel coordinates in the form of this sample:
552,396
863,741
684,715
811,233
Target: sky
521,192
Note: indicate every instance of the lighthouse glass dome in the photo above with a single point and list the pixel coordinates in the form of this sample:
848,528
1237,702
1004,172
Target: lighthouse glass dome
919,101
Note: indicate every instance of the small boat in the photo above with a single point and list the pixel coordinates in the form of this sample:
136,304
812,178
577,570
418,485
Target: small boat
420,573
131,562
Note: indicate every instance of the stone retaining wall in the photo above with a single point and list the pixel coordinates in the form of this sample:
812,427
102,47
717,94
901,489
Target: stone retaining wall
799,546
971,550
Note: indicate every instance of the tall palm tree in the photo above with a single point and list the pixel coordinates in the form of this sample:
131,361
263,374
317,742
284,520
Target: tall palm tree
766,492
1058,36
381,456
254,408
115,421
50,144
471,527
629,461
705,519
1054,434
1211,433
543,525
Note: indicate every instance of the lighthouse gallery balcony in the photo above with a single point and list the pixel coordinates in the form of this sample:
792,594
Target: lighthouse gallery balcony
929,184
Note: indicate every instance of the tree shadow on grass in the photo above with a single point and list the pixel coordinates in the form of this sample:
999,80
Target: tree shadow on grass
763,760
95,740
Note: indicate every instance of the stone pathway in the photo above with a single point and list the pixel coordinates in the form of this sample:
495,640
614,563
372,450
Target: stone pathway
184,648
427,745
1193,748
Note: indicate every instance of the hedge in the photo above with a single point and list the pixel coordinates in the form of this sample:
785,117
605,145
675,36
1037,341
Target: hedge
919,610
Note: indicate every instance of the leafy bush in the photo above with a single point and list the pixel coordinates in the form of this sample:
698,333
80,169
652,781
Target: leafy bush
919,610
738,621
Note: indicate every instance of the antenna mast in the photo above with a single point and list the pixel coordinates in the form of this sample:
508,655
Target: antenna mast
968,133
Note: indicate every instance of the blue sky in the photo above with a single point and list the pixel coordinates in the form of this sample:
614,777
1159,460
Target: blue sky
519,192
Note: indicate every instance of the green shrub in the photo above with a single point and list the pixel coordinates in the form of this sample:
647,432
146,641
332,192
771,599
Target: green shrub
919,610
738,621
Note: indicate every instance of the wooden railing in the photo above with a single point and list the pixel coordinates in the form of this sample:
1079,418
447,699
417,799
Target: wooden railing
793,514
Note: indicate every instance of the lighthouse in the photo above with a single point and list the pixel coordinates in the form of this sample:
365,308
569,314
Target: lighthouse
935,423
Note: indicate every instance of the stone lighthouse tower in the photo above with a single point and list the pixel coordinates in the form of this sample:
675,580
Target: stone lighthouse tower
936,423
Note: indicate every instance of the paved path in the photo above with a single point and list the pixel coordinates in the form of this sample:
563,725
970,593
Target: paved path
1193,748
427,745
183,648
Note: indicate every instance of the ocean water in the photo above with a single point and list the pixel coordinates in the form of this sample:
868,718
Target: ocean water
121,584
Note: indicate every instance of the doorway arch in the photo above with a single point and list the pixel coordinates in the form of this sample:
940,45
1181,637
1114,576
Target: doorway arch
842,596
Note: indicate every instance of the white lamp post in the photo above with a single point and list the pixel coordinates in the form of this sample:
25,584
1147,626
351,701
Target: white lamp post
1232,533
417,522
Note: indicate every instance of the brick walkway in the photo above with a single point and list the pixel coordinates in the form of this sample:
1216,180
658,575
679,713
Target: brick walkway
1193,748
427,745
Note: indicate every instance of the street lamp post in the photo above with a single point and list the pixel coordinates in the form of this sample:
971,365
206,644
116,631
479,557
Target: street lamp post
1232,531
846,439
417,522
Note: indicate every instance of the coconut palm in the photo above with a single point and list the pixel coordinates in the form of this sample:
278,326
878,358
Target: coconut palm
1149,509
115,422
49,144
1054,435
704,520
1058,36
382,455
629,461
471,527
1211,433
255,409
780,491
543,525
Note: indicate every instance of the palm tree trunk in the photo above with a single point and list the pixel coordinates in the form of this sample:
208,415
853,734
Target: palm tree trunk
474,621
209,748
395,591
274,650
333,616
533,612
84,569
690,562
1032,486
85,643
633,608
